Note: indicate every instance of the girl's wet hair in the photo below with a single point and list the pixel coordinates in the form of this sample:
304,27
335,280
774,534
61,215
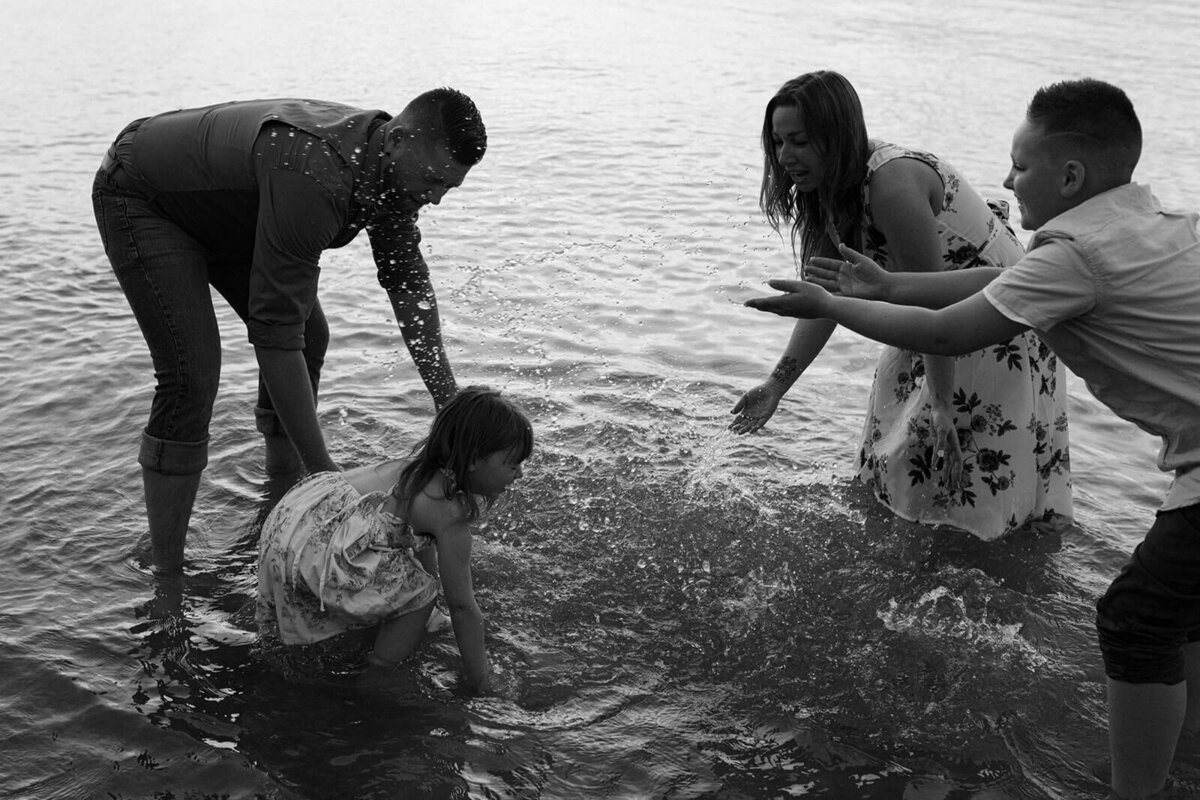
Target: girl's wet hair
476,423
833,122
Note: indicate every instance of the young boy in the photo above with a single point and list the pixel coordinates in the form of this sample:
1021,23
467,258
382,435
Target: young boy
1112,283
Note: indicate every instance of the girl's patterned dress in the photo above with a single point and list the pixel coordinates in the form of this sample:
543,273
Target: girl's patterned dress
1008,400
333,561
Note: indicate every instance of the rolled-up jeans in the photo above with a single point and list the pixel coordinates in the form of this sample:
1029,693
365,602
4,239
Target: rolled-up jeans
1152,608
165,274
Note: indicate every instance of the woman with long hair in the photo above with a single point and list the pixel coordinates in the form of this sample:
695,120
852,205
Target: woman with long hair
977,442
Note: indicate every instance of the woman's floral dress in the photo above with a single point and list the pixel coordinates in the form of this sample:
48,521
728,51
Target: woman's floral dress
1009,399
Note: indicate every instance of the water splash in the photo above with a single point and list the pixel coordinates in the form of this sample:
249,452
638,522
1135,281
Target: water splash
941,615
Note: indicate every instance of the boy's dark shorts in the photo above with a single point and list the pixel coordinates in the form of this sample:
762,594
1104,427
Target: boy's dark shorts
1152,608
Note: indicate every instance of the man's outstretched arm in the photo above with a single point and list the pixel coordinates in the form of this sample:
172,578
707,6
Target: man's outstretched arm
395,244
421,327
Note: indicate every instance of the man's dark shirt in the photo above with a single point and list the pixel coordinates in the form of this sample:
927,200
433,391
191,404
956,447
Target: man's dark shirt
267,185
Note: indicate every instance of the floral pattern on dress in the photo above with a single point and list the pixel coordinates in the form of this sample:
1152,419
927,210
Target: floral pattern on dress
333,561
1009,416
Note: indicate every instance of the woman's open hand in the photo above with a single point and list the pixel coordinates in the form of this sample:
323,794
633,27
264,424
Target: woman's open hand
755,408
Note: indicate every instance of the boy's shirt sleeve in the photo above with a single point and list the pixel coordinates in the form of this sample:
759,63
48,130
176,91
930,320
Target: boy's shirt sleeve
1053,283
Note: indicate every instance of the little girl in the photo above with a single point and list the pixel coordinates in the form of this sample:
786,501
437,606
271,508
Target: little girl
348,551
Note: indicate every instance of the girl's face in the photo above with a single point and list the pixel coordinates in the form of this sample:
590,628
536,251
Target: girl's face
795,154
493,473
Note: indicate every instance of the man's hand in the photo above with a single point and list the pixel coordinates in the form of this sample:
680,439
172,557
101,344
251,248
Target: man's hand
854,276
799,299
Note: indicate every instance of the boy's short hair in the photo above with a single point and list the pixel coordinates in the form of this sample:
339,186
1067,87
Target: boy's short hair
1095,111
455,117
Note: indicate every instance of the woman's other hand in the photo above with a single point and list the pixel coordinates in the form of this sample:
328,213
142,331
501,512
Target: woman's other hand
948,457
755,408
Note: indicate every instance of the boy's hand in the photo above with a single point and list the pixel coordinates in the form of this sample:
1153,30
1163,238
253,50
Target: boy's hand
856,276
799,299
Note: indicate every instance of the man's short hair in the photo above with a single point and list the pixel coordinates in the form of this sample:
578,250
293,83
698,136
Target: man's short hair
454,116
1091,109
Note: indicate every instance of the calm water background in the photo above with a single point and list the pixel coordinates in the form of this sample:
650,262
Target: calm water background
686,614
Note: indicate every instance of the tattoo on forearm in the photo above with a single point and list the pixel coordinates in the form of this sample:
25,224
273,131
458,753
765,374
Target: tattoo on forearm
785,370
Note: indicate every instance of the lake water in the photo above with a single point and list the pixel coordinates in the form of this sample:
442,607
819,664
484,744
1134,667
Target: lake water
685,614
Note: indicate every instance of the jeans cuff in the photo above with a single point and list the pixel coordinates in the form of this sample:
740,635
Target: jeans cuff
173,458
266,421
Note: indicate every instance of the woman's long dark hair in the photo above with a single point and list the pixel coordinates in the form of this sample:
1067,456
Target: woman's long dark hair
833,122
476,423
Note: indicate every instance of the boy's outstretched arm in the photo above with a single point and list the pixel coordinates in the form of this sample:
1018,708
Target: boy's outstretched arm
964,327
856,275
